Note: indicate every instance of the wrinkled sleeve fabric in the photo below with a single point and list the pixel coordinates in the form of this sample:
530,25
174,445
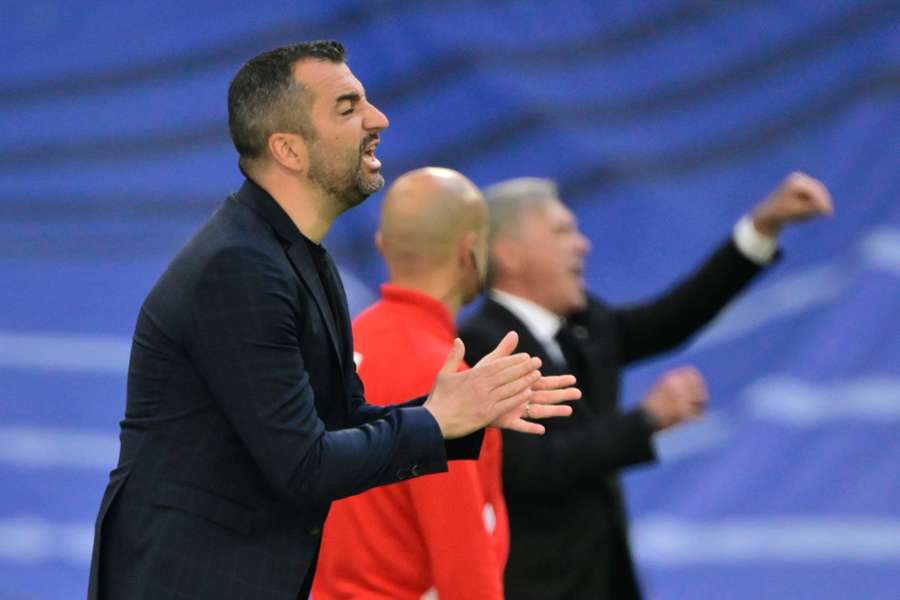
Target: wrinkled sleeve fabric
574,455
661,324
244,343
464,448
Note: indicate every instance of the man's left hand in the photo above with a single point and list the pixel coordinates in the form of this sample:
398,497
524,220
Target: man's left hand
545,400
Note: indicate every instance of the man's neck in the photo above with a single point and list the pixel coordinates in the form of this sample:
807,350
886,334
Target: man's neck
312,223
311,212
440,289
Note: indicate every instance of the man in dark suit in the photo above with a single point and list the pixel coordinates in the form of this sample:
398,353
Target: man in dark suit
567,520
245,417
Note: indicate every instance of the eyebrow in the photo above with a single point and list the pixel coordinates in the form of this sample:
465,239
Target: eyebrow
352,97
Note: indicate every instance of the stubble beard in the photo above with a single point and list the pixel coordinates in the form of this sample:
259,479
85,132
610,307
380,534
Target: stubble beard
342,177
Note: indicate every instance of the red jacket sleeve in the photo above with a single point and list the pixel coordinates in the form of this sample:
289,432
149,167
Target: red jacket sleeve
450,511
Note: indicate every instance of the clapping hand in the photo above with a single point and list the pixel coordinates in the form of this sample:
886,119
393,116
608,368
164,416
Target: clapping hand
502,389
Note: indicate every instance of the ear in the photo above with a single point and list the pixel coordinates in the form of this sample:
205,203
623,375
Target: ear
464,248
379,242
504,255
289,150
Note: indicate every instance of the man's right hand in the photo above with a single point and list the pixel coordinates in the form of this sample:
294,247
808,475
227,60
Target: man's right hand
678,395
465,401
796,199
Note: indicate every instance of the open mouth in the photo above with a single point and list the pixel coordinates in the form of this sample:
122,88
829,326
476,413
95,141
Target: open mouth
577,272
368,155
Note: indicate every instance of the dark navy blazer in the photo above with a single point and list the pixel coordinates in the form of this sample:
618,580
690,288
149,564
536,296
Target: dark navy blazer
245,418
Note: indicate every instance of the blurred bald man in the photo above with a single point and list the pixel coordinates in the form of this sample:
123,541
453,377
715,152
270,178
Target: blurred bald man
447,534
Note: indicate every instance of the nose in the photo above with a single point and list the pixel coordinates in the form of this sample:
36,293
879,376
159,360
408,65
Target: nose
375,119
584,244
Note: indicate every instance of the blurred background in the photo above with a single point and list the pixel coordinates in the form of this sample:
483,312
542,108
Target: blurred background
662,121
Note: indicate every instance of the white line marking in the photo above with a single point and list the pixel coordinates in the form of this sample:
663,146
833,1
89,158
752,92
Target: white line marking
800,403
881,249
804,290
676,542
710,431
795,294
62,352
56,351
34,447
31,540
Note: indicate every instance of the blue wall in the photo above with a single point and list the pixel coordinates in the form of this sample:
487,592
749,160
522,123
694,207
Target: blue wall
663,122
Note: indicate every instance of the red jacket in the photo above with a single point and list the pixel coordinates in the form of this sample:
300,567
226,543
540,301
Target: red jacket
447,531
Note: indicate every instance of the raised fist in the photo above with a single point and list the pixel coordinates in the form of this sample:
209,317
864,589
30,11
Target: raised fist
798,198
678,395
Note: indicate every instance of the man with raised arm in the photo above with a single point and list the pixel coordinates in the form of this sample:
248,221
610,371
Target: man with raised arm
567,520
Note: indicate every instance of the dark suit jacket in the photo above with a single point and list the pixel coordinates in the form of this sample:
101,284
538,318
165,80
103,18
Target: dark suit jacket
567,520
245,419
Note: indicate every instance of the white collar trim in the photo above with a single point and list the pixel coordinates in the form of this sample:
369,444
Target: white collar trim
542,323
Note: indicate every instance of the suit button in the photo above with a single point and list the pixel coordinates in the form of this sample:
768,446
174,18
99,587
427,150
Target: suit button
314,530
413,471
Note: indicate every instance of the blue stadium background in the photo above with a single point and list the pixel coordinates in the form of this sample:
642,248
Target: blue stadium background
663,122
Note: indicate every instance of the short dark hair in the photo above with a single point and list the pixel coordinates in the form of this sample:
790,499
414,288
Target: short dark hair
263,97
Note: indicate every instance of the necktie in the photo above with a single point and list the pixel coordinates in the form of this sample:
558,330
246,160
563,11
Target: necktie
568,338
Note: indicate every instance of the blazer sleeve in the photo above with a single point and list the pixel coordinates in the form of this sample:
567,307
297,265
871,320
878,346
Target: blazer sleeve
361,412
667,321
244,344
571,451
464,448
566,456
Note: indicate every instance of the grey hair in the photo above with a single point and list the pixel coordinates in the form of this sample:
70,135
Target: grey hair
507,200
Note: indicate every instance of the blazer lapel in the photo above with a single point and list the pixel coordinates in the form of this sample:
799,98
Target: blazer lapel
303,263
498,313
260,202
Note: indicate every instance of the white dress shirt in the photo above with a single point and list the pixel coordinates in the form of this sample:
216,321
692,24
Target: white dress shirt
542,323
753,245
